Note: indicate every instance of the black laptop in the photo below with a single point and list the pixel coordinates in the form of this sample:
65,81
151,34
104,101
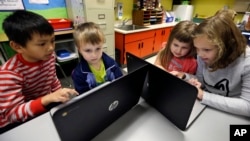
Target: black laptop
171,96
86,115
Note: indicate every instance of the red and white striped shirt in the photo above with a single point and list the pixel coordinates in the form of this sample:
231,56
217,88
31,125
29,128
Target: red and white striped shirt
22,84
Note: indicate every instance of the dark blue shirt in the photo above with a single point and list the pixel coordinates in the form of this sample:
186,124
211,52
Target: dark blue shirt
84,79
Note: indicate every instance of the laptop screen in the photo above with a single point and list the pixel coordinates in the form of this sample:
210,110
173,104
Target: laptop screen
171,96
85,117
133,63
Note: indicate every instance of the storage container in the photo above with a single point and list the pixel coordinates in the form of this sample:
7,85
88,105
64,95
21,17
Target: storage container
60,23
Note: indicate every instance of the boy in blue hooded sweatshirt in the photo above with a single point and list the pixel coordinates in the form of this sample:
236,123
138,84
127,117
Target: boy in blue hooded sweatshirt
95,66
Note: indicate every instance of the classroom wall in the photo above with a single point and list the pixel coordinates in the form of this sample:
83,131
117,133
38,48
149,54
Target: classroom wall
208,8
203,8
55,9
128,7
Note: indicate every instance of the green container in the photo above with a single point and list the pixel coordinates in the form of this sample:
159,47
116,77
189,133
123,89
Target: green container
185,2
198,20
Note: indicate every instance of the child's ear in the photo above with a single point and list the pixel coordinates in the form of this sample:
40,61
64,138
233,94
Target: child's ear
78,48
16,47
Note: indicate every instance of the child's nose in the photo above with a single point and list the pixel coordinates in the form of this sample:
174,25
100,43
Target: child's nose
178,50
201,54
94,53
51,47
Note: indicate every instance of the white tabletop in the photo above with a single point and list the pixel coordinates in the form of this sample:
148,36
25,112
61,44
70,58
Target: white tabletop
140,123
146,124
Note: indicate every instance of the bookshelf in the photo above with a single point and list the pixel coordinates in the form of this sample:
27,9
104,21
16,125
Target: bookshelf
147,17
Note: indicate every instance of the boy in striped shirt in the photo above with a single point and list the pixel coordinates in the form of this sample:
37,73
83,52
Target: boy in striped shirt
28,80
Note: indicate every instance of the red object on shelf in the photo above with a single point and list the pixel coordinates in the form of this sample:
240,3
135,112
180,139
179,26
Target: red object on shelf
60,23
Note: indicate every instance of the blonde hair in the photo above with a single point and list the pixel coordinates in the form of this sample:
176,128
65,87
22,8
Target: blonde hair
227,12
182,32
88,32
224,34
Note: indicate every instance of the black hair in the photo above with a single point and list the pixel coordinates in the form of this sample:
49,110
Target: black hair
21,25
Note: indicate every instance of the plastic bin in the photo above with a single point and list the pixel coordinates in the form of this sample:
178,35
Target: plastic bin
60,23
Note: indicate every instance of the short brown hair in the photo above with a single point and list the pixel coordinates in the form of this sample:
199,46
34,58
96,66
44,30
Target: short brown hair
88,32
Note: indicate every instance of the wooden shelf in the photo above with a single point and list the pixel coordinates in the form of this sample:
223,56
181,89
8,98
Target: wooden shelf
147,17
4,38
64,32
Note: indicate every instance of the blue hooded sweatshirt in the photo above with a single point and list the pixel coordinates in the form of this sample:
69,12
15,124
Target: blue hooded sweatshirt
84,79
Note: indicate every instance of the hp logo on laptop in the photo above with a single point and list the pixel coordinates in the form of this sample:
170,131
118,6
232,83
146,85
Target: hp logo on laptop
113,105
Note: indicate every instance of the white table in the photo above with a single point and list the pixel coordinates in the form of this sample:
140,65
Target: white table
142,123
